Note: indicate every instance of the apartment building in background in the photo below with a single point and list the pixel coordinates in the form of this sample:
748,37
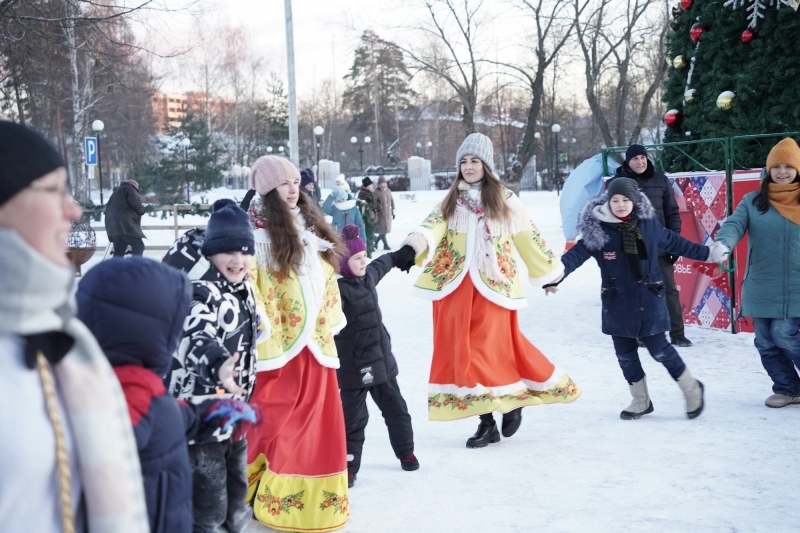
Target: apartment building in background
171,108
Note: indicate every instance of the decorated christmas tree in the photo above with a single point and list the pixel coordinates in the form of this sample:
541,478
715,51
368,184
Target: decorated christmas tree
735,70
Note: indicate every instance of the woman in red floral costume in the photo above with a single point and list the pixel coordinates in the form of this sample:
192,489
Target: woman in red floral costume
297,458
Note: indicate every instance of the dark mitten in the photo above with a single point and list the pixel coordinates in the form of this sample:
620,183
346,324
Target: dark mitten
673,259
404,258
245,205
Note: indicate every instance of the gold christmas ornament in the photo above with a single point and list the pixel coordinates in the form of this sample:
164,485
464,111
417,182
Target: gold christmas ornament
679,62
690,95
669,59
725,100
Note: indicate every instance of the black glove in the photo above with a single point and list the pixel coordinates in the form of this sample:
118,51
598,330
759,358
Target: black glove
245,205
404,258
392,216
673,258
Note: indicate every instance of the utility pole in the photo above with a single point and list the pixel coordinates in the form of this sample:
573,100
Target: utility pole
294,151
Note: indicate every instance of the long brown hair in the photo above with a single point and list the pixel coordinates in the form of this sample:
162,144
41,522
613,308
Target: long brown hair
493,196
286,249
761,200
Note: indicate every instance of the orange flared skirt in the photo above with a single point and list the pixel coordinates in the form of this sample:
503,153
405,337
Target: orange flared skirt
483,363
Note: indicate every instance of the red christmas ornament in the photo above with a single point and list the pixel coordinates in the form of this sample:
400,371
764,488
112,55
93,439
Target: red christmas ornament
747,35
696,32
686,5
673,118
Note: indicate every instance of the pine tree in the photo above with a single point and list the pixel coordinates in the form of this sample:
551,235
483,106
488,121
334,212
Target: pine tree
377,85
763,74
202,165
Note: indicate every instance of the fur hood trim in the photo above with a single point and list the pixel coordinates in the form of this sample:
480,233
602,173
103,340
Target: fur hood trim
596,211
345,206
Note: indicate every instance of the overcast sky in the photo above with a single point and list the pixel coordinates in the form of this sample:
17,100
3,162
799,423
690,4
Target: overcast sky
327,31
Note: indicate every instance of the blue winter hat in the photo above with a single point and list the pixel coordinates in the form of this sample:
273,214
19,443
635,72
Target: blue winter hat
228,230
634,150
306,177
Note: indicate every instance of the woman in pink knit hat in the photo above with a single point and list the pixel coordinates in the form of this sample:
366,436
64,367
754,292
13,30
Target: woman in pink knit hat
297,469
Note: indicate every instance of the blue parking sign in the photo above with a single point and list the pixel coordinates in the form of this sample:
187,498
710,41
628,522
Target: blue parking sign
90,150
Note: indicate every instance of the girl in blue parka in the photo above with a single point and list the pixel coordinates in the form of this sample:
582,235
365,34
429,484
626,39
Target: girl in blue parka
620,230
343,211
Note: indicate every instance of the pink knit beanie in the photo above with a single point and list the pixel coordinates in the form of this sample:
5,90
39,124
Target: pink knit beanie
270,171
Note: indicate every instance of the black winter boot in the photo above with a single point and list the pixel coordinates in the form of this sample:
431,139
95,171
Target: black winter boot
351,479
511,422
680,341
487,433
409,463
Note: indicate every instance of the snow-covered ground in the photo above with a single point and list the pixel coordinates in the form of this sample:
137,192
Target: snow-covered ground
578,467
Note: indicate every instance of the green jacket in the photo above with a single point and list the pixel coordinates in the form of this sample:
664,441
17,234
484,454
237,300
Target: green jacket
771,287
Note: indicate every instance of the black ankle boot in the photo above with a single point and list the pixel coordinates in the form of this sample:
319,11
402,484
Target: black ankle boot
487,433
511,422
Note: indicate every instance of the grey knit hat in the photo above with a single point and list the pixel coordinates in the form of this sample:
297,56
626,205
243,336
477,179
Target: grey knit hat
624,186
478,145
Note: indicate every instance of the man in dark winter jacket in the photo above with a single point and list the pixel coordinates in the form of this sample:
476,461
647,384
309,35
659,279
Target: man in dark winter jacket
365,355
658,189
124,212
136,309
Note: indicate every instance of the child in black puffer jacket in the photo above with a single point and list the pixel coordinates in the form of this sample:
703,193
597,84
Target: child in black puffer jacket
365,353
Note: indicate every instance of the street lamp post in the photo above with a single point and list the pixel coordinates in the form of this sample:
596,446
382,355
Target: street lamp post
537,136
318,132
98,126
419,148
555,129
572,141
354,141
186,143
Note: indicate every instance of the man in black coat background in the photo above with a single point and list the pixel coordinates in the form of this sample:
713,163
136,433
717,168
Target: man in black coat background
658,189
124,212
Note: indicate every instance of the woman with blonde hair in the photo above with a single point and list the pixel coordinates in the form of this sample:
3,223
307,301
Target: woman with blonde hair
481,361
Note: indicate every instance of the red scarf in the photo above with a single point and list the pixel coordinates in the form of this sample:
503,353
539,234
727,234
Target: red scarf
140,386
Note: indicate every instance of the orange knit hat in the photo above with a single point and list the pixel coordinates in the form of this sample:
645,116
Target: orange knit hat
785,152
